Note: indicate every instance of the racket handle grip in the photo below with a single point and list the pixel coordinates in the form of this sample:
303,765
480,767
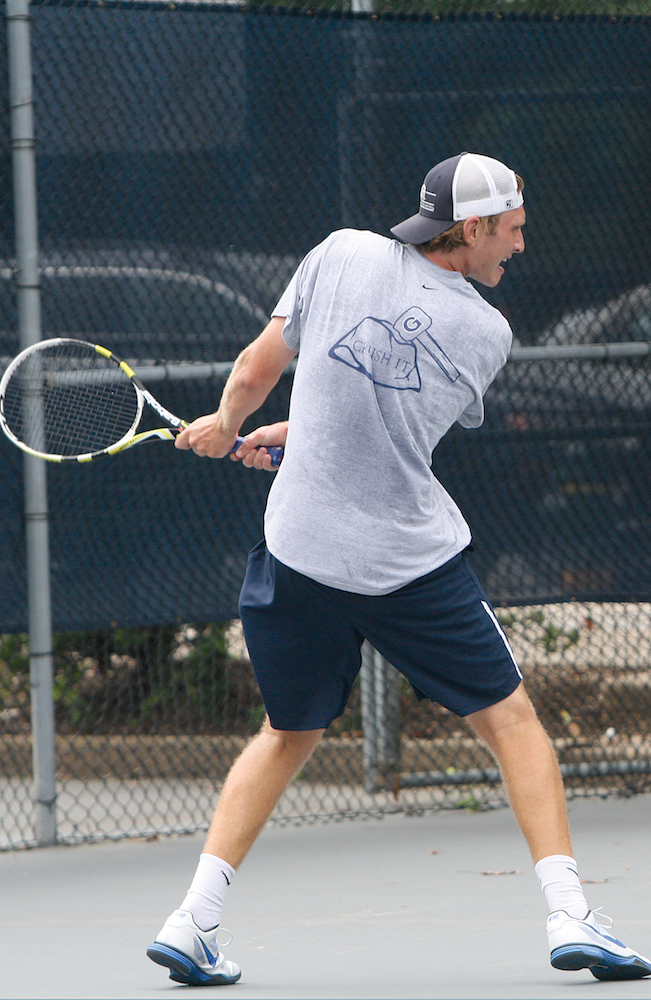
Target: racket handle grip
276,452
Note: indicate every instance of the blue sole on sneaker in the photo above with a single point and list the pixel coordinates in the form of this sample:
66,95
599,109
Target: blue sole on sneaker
602,964
632,969
183,970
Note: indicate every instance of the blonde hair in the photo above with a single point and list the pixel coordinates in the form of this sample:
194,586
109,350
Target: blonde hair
453,237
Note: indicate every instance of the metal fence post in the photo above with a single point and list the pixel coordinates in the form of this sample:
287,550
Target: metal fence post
35,479
380,683
355,118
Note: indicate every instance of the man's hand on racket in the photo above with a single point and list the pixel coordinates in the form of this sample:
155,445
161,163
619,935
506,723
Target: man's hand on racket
252,451
206,437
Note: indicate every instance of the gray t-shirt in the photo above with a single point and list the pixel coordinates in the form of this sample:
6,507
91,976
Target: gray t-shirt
392,351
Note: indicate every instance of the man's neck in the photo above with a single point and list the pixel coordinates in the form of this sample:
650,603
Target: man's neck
453,261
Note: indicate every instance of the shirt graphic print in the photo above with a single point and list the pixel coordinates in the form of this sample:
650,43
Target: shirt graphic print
387,353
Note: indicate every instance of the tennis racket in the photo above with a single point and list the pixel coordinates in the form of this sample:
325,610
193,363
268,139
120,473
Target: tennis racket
65,400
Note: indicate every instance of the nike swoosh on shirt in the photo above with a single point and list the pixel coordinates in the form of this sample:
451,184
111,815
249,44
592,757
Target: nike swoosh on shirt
430,288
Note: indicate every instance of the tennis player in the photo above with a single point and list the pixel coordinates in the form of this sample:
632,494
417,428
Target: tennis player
361,542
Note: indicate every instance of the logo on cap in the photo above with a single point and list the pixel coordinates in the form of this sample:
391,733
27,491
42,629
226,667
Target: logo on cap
425,205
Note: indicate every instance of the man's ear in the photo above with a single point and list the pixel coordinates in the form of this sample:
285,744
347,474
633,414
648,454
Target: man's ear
471,229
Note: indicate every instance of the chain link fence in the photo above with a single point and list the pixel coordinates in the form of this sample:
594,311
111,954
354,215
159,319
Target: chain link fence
188,155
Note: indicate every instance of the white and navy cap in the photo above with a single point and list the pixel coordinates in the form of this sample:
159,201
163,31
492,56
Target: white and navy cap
465,185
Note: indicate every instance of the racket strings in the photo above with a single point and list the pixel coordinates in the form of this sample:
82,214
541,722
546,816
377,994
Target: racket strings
69,400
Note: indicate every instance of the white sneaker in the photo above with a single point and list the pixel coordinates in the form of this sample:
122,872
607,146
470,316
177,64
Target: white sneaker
585,944
191,954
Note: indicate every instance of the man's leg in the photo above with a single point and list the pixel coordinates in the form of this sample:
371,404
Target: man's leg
535,788
252,788
529,770
305,654
254,784
187,944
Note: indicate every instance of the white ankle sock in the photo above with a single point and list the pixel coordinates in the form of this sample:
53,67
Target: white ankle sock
205,897
559,880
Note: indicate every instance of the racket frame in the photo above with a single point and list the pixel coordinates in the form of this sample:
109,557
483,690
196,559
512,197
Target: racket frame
128,440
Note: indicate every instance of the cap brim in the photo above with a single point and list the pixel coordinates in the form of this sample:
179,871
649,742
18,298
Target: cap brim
420,229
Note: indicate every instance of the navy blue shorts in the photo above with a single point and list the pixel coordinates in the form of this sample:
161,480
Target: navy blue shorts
304,640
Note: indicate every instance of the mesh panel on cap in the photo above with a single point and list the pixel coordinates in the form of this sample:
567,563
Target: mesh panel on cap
502,177
483,186
472,183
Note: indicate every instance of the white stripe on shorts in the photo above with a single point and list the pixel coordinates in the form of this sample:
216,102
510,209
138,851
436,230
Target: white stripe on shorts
489,611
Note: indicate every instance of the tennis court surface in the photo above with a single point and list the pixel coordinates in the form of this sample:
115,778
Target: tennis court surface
399,907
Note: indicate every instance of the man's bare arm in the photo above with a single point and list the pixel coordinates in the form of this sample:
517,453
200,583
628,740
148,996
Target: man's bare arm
255,373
